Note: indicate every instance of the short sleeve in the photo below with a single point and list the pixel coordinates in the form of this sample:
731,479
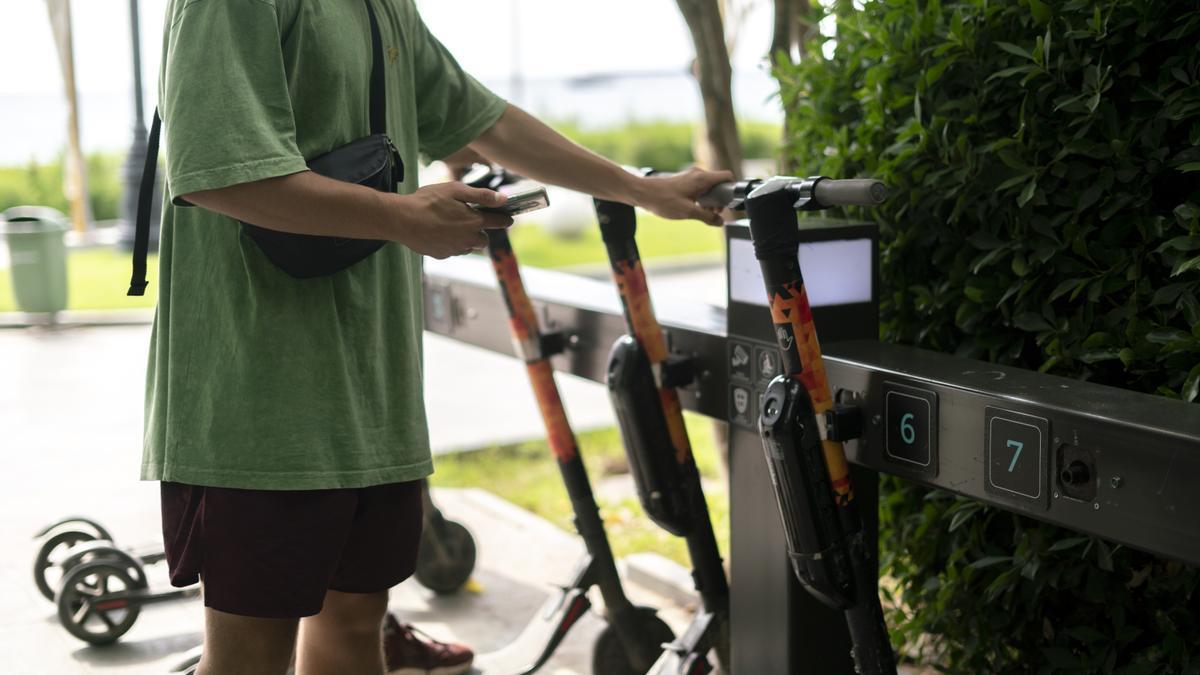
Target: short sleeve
227,114
453,108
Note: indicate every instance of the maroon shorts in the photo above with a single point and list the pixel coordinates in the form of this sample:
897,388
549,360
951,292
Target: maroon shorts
274,553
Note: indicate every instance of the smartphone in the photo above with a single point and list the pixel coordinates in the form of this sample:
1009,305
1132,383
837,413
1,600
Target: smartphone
519,203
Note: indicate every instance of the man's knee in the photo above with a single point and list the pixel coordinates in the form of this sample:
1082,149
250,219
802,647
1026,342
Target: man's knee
356,613
240,644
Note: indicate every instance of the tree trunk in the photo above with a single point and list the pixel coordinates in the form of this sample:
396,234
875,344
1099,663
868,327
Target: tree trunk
715,76
75,167
787,43
790,30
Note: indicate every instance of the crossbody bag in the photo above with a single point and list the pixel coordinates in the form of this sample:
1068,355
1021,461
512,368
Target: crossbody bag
372,161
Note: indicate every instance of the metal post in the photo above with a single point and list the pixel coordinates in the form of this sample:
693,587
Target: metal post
516,77
139,124
131,170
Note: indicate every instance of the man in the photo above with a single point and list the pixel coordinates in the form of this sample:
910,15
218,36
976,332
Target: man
285,417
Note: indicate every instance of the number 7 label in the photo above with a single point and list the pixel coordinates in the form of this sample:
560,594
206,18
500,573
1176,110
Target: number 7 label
1016,455
1017,442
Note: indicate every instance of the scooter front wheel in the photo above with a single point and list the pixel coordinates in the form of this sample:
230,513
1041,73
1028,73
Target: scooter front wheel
446,558
84,617
609,655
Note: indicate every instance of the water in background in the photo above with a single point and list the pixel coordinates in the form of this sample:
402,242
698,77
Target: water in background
34,126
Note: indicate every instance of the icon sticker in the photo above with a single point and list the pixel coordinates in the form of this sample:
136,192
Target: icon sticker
740,360
768,364
784,336
740,356
742,410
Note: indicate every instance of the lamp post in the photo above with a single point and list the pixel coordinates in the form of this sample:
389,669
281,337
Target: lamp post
517,77
131,171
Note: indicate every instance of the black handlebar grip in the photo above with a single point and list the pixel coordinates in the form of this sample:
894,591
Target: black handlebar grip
850,192
720,196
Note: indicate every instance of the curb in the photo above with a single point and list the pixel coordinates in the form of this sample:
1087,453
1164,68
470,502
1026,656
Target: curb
507,511
649,571
671,265
78,318
661,576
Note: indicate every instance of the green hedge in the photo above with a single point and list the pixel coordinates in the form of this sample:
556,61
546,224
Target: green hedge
1044,161
42,185
665,145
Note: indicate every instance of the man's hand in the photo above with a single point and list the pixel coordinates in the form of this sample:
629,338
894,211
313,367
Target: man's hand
438,223
674,195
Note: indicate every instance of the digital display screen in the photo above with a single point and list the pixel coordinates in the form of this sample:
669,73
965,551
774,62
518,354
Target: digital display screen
835,272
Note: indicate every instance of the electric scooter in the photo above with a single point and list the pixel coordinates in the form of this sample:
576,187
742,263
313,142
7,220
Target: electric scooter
99,589
446,557
633,637
444,564
642,381
798,422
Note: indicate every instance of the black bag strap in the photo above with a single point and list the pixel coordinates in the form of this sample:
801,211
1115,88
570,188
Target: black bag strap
141,237
378,85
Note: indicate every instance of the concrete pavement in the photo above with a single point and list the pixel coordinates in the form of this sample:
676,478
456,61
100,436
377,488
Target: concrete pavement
70,433
70,402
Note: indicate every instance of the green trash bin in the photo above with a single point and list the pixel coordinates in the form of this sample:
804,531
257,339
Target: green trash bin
37,257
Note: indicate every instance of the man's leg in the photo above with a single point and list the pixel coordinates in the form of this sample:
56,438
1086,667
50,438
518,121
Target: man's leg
266,558
243,645
345,637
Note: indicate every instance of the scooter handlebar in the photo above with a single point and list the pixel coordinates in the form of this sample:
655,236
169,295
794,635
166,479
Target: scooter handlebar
825,192
850,192
719,197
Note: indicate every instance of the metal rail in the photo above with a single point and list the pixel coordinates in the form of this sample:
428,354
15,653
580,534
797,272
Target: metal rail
1097,459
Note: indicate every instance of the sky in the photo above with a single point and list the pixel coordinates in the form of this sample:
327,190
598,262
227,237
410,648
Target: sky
548,40
556,37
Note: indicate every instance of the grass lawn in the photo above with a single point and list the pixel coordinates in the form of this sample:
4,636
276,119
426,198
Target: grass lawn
99,277
527,475
656,237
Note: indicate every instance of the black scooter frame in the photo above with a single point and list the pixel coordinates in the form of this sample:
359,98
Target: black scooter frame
642,381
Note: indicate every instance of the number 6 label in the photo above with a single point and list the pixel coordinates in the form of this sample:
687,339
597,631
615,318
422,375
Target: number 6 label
907,433
910,434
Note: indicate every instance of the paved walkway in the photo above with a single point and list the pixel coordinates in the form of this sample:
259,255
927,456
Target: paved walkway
70,429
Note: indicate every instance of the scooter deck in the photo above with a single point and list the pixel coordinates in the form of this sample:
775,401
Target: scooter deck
688,654
533,647
526,654
190,661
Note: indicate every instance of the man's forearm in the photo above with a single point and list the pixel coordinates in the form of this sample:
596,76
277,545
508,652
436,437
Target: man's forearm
436,220
305,203
525,144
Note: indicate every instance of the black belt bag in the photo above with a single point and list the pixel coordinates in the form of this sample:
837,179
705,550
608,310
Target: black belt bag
371,161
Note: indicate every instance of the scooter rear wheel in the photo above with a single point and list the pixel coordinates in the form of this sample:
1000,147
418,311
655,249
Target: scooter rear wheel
609,656
47,564
89,580
446,558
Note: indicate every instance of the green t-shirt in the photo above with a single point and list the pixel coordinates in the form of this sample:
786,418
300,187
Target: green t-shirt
255,379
